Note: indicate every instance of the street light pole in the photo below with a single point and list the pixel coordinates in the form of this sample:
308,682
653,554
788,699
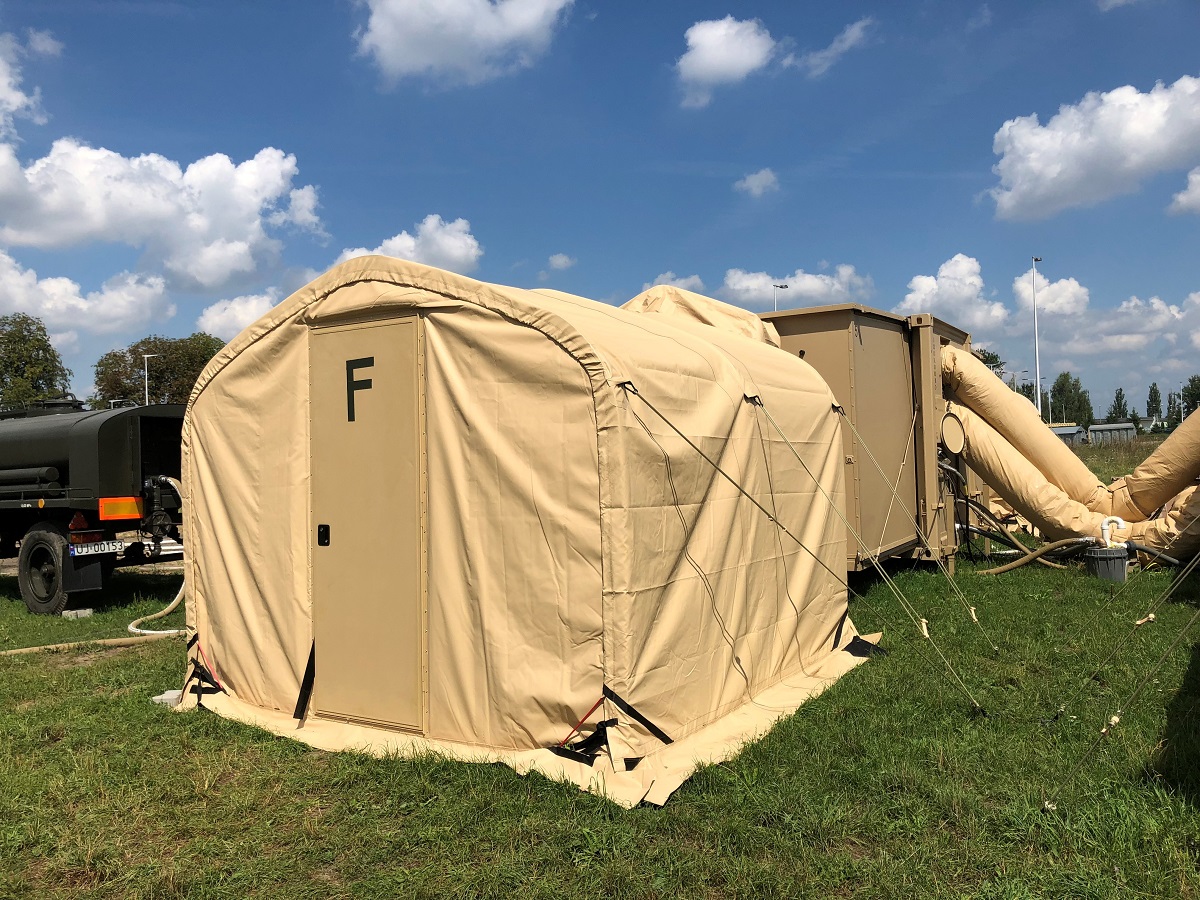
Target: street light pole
776,288
1037,359
146,373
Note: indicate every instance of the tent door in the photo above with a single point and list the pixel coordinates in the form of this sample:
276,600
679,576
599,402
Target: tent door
367,534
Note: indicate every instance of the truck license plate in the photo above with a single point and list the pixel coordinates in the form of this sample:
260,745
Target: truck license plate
97,547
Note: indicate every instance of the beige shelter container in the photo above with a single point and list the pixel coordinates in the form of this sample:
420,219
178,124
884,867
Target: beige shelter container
885,370
427,513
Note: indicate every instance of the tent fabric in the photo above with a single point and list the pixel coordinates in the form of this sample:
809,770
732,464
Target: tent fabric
681,305
577,546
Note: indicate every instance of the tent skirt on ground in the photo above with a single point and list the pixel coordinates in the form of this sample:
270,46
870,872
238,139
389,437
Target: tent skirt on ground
427,513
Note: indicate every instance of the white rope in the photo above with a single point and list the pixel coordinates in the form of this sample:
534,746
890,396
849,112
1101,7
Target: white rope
896,592
971,611
895,494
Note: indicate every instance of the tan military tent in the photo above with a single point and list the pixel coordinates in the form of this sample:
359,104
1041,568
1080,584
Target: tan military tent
427,513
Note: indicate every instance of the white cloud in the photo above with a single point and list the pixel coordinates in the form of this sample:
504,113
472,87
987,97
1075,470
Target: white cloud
1106,5
687,282
818,62
43,43
1066,297
1132,326
125,301
15,102
721,51
204,224
458,41
755,289
758,183
226,318
1101,147
1188,200
447,245
561,261
956,295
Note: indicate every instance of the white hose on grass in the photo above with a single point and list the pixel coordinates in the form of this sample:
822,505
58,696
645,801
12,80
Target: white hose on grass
174,604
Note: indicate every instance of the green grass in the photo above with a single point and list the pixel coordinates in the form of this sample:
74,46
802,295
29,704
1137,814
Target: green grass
127,597
1111,461
885,786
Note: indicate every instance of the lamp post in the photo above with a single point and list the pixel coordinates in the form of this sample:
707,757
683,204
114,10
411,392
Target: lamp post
776,288
1037,359
146,373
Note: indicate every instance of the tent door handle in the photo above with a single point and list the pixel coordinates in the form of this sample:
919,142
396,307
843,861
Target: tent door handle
322,535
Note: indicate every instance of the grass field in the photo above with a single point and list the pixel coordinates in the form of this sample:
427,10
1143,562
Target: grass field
885,786
1110,461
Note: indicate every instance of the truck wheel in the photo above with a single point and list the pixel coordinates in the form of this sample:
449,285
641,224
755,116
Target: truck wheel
40,569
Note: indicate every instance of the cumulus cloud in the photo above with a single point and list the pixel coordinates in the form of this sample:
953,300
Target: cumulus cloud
560,261
687,282
818,62
1065,297
458,41
721,51
15,101
1132,327
1188,200
447,245
226,318
124,301
755,289
956,295
756,184
1099,148
204,225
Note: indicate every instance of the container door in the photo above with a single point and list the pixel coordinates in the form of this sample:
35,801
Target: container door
367,560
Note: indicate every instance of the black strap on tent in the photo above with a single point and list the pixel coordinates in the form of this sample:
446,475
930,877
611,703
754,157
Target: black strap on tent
192,641
863,648
837,634
586,750
203,682
628,709
306,683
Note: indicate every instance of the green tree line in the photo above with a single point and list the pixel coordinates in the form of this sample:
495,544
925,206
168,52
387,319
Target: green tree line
31,369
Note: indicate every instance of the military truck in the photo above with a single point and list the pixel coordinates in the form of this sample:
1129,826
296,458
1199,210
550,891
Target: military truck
85,491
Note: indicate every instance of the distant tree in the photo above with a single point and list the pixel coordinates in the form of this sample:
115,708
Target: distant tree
1154,402
1073,402
1173,415
1119,410
1191,396
30,367
1136,420
1025,389
991,359
173,372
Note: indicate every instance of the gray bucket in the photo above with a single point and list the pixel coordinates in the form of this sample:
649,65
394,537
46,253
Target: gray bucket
1106,563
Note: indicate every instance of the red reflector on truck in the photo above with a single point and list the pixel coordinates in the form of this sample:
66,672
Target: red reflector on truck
120,507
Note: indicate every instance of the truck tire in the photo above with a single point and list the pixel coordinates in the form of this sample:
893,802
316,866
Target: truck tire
40,569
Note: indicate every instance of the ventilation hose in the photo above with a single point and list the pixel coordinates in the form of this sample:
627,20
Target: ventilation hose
985,513
1149,551
174,604
1037,554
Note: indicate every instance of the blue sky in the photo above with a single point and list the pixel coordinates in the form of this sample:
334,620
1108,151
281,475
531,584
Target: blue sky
166,166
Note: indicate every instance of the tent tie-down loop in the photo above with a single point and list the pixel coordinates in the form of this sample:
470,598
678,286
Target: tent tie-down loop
586,750
953,675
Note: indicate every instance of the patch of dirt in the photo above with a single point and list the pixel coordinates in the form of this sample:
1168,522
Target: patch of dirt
70,659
